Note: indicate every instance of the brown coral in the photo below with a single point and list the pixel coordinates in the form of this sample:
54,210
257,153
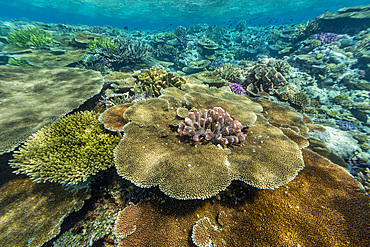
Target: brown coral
113,119
323,206
264,79
32,214
151,152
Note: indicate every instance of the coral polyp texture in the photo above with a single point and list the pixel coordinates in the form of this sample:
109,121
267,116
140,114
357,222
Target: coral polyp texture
152,152
213,124
67,151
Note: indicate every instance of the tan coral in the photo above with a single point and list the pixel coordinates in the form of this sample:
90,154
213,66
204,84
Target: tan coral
201,234
32,214
152,153
284,116
33,97
113,119
324,205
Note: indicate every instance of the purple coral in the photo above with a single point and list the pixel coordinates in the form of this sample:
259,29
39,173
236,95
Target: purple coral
212,124
236,88
327,38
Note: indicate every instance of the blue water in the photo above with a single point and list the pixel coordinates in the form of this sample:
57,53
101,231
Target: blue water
167,13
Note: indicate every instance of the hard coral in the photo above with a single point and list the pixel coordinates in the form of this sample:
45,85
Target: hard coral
236,88
322,206
32,97
152,153
213,124
154,79
67,151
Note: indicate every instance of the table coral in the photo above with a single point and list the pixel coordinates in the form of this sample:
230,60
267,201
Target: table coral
67,151
152,153
33,97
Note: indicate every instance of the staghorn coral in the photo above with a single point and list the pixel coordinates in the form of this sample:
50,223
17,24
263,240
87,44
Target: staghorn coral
33,37
16,62
327,38
213,124
151,152
155,79
33,97
124,52
67,151
322,205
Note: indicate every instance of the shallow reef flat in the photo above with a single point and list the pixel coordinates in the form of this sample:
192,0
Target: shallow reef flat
195,135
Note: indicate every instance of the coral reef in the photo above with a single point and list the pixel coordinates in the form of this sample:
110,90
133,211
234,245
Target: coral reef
364,179
327,38
264,79
32,214
151,153
153,80
112,118
68,151
236,88
33,97
214,125
246,216
31,37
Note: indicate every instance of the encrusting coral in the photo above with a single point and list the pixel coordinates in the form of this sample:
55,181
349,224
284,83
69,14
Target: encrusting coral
214,124
32,213
67,151
152,152
323,206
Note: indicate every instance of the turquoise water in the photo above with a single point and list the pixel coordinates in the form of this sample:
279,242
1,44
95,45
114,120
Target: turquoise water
184,123
153,13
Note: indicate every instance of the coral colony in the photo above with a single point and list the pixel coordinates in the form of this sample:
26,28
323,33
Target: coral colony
236,88
328,37
213,124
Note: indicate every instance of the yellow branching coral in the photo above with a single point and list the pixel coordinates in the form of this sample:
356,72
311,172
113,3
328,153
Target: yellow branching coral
155,79
67,151
152,152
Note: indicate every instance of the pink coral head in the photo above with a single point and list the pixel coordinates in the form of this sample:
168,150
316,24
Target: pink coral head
215,125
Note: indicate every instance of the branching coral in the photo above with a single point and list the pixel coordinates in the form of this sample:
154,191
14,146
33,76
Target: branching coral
124,52
155,79
214,124
68,151
29,37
